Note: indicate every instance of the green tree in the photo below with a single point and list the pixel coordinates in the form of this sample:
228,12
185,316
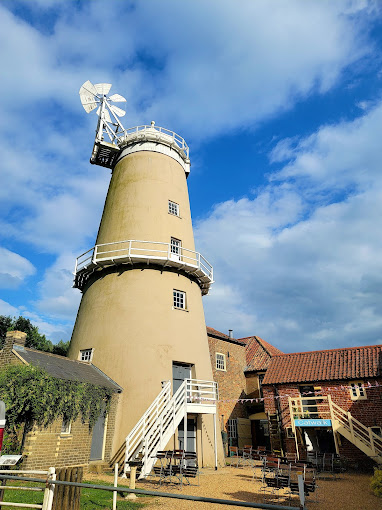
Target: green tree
34,338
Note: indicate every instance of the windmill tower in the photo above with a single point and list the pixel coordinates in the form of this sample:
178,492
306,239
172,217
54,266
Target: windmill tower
141,318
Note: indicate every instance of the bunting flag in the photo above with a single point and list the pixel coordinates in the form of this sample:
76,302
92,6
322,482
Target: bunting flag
328,390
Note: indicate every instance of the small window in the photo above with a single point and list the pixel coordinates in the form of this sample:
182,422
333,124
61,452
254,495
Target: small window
173,208
289,433
220,361
357,390
66,426
232,428
377,431
179,299
86,355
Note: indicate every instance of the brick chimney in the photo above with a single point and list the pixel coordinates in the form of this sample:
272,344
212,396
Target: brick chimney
15,337
12,338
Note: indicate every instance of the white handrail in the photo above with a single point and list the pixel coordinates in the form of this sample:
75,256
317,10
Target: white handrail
133,250
159,422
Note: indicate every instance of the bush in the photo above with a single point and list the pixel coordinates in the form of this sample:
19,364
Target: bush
376,483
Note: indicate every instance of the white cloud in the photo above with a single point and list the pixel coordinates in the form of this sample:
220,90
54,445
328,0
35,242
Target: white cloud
7,309
14,269
57,298
304,269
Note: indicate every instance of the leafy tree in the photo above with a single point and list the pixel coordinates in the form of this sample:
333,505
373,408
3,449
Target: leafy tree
61,348
34,338
5,325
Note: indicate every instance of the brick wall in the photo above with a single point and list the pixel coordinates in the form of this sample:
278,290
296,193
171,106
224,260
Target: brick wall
232,382
45,447
368,412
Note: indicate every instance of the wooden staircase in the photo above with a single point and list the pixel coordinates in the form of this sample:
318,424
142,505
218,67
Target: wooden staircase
342,422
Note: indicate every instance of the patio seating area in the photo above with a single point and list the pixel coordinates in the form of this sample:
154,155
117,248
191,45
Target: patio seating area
176,467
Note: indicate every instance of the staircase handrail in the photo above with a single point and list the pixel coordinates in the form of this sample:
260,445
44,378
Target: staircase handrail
363,433
161,399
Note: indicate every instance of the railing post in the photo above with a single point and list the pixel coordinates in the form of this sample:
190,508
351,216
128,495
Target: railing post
333,418
95,254
49,491
351,425
130,248
372,441
199,260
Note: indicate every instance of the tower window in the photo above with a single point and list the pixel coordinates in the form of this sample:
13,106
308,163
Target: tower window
357,390
179,299
220,361
86,355
173,208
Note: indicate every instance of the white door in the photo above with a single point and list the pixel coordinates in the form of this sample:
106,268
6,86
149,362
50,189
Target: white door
176,249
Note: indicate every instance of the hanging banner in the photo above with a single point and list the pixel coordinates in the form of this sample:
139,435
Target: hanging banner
312,423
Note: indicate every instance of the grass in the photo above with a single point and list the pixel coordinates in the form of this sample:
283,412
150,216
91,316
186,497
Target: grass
91,499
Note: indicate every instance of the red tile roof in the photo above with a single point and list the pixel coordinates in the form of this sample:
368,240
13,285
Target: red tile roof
258,353
215,333
332,364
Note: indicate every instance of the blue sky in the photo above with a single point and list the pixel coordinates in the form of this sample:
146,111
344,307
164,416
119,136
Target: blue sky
281,105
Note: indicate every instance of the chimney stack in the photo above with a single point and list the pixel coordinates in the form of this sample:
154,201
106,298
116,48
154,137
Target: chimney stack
230,333
18,337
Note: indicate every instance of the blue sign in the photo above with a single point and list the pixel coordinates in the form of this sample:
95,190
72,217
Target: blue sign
312,423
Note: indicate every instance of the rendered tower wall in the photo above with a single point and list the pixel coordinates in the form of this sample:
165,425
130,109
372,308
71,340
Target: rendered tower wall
126,313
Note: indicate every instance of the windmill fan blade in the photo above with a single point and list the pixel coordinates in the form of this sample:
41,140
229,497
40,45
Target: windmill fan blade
117,98
89,88
103,88
87,96
106,115
118,111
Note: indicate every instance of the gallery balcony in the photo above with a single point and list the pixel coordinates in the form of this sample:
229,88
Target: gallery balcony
132,252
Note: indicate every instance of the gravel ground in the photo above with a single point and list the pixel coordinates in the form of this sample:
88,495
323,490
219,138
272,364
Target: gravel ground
350,491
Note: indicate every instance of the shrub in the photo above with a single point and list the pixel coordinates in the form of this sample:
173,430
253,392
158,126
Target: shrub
376,483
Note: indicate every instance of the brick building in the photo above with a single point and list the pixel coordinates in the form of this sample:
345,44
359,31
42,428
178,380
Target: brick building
239,366
328,401
63,443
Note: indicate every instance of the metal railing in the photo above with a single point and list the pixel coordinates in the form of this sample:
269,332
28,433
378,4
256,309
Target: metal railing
171,495
133,251
154,430
154,133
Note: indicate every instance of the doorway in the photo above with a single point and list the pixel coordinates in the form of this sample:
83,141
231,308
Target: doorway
180,372
96,450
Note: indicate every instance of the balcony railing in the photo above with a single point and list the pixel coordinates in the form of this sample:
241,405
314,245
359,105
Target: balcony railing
150,252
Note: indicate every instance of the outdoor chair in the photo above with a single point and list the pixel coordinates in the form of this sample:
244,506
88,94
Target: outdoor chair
233,452
247,456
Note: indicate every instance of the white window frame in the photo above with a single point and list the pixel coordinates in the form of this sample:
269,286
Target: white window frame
357,390
220,361
173,208
86,355
179,300
66,427
175,248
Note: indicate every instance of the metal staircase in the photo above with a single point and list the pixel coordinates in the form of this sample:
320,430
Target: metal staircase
159,423
342,422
